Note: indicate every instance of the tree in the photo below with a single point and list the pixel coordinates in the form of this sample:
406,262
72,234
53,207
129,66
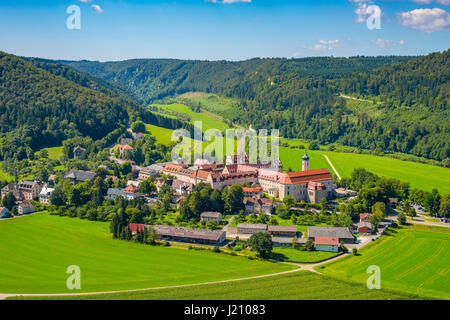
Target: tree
57,197
310,245
262,243
147,187
9,201
233,199
289,201
355,251
138,126
324,206
401,218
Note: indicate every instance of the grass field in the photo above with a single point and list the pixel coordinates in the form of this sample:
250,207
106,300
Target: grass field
421,176
39,248
298,256
414,259
3,175
208,121
226,107
53,153
302,285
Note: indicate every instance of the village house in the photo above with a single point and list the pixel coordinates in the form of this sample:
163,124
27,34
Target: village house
77,176
24,190
124,148
124,141
25,208
328,244
150,172
4,213
113,193
44,195
211,216
139,135
131,192
365,217
341,233
258,205
255,192
182,188
365,228
79,153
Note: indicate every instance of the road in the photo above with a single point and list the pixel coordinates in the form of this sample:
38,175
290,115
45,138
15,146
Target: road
334,169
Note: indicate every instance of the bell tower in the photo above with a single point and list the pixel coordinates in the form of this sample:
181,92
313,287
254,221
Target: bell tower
305,162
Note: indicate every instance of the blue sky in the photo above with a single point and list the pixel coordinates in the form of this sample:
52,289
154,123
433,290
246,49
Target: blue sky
209,29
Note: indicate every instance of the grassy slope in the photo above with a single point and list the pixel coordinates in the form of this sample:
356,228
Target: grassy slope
41,247
412,260
303,285
54,153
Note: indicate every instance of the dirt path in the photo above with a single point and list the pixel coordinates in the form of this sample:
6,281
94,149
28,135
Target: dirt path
334,169
301,267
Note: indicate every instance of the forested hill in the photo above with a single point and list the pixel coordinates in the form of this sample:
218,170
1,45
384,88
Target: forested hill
39,108
301,96
151,79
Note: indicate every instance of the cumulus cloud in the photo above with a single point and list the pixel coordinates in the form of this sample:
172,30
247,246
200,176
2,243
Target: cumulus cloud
324,45
97,8
229,1
383,43
444,2
425,20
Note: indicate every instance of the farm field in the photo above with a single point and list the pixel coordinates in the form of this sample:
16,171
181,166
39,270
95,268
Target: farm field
413,259
41,247
422,176
302,285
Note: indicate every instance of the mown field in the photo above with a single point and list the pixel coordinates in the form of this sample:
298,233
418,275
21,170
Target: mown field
299,256
302,285
421,176
414,259
39,248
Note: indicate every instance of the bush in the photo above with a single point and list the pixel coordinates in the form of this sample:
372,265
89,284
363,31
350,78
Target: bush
354,251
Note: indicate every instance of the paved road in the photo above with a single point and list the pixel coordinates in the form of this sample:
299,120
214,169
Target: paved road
423,222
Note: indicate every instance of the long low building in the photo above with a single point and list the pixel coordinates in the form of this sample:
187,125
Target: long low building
282,231
180,234
287,242
251,228
341,233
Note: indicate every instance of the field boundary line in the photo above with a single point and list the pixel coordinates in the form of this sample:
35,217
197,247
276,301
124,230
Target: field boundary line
334,169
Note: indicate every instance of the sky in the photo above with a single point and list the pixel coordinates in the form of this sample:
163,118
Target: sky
111,30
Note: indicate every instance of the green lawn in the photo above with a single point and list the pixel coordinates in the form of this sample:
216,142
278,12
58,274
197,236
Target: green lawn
302,285
37,250
414,259
53,153
294,255
208,121
4,176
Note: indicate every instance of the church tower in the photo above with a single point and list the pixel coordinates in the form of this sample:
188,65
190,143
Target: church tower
305,162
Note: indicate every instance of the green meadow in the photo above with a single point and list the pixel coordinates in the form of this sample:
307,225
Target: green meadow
53,153
299,256
414,259
37,250
302,285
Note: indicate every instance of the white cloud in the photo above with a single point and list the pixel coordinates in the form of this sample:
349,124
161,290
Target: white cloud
383,43
444,2
85,1
426,20
97,8
229,1
324,45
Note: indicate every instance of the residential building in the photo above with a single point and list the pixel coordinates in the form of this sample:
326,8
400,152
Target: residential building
211,216
150,171
255,192
182,188
124,148
341,233
365,228
131,192
328,244
316,192
25,208
4,213
258,205
365,217
77,176
113,193
79,153
44,195
24,190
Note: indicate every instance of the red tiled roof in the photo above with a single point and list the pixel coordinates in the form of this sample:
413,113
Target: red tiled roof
327,241
134,227
306,176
